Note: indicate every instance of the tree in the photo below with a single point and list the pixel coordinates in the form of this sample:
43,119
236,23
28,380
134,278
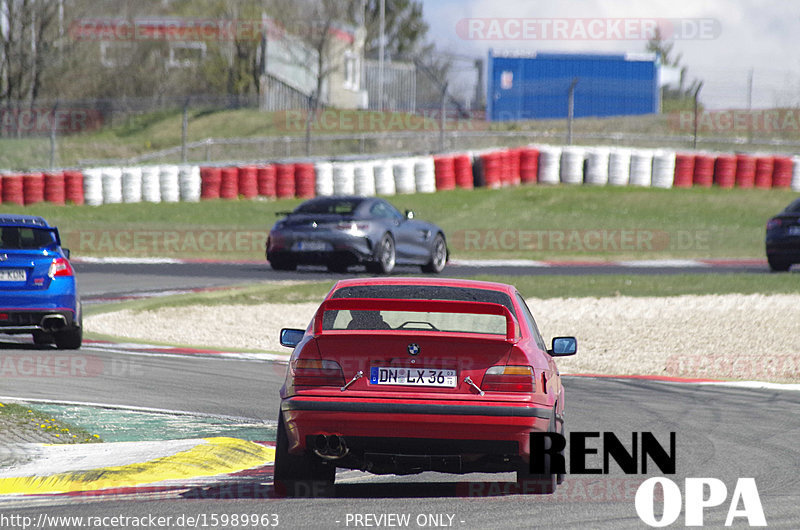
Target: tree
405,28
681,96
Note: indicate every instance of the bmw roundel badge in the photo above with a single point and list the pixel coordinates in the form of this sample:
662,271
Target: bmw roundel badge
413,349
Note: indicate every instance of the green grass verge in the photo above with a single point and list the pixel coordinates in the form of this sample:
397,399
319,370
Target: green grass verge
24,417
530,222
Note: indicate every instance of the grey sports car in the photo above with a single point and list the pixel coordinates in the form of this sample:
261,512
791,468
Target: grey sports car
349,230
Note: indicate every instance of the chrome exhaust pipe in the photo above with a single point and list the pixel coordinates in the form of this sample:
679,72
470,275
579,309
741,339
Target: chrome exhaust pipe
53,322
330,447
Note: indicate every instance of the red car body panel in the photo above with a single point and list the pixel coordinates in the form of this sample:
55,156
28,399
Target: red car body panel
399,418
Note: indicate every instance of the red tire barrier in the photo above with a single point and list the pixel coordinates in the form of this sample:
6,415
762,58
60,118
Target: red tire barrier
33,188
210,182
516,165
725,171
703,171
73,187
765,165
745,171
528,165
305,180
247,182
265,176
492,167
462,166
1,189
445,171
13,190
507,167
229,183
54,191
684,170
284,181
782,172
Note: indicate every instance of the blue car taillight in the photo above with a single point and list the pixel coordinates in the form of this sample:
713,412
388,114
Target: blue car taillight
60,267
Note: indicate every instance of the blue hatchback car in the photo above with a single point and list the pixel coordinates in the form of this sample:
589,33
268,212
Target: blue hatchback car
38,291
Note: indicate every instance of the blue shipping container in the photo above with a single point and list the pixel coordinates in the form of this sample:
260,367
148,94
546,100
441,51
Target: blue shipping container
536,86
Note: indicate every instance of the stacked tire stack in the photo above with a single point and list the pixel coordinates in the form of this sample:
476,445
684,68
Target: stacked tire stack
703,171
189,183
619,167
462,169
93,186
491,169
266,181
764,168
132,184
364,178
54,188
782,172
549,165
663,169
33,188
445,169
383,171
597,166
210,182
641,168
425,175
323,185
169,183
684,170
528,165
725,171
151,184
13,189
73,187
344,178
285,181
403,171
745,171
229,183
247,182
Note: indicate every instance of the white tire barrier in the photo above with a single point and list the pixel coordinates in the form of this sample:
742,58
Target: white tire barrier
168,182
151,185
344,178
384,177
619,167
425,175
364,179
597,166
549,164
796,173
572,165
112,185
132,184
641,168
324,183
189,183
403,171
663,169
93,186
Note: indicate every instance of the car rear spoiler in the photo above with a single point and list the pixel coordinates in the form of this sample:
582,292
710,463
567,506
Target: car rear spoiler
422,306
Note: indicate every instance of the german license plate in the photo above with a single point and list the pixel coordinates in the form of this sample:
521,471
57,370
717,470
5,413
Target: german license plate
794,230
311,246
380,375
12,275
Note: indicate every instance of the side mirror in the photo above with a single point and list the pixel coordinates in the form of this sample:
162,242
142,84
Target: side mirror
563,346
291,337
409,214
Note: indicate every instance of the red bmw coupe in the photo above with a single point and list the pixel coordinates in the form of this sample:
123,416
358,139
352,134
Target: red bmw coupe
405,375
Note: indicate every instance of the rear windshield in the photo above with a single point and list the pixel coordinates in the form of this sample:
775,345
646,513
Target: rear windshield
25,238
329,206
415,320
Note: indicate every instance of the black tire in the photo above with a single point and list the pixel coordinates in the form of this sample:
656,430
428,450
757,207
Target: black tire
438,256
385,256
41,337
777,265
70,339
545,483
299,475
282,264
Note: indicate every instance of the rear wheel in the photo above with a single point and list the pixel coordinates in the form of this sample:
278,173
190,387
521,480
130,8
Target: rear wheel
299,475
438,256
70,339
384,256
544,483
778,265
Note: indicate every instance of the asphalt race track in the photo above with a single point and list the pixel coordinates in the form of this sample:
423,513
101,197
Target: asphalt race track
721,432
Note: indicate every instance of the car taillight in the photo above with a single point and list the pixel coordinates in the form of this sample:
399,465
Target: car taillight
773,223
509,379
351,226
60,267
315,372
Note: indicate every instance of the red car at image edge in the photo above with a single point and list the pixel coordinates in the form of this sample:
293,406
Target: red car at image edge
405,375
